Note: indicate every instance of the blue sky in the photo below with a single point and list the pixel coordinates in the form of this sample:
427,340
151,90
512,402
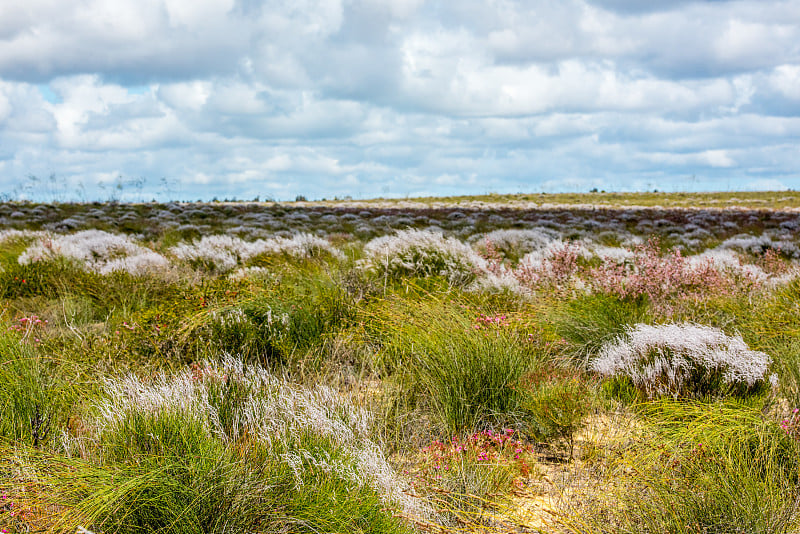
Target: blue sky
194,99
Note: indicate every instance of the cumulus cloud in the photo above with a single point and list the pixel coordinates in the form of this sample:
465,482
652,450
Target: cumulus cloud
238,98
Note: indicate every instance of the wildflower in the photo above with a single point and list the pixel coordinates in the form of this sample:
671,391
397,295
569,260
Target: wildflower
665,359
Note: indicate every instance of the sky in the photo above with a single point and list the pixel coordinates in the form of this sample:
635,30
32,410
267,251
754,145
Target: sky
241,99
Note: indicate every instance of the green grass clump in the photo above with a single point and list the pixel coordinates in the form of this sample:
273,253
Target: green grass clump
589,322
218,449
36,397
695,468
463,376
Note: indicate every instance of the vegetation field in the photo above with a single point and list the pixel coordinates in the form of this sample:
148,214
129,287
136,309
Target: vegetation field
582,363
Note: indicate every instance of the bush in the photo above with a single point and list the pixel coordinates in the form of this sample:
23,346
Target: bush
466,473
97,251
424,254
227,447
683,360
558,403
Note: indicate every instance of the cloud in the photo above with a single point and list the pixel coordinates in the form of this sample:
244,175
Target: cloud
365,97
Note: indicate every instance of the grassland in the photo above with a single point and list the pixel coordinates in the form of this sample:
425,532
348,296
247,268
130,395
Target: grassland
557,363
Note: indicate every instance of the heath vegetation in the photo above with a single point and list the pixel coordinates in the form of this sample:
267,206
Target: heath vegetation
524,364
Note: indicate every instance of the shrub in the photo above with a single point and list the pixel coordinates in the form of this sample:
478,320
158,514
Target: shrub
465,472
659,276
222,253
552,265
683,360
558,403
97,250
422,253
221,447
513,244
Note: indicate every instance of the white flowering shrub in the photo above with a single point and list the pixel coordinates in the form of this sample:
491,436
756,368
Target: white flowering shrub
513,244
613,254
729,262
12,235
423,253
96,250
217,253
223,253
303,245
305,428
683,361
757,245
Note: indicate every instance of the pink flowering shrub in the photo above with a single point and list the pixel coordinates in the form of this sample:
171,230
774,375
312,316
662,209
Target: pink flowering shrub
553,266
14,517
29,328
656,275
483,321
791,424
483,462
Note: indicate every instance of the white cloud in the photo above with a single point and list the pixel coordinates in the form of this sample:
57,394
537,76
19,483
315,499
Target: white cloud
401,96
786,80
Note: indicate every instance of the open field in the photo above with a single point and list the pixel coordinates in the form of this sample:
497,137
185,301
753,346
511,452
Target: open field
531,363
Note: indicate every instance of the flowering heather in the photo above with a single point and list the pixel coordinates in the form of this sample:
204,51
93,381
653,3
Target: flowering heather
491,321
554,264
791,424
29,327
502,454
682,360
423,253
650,273
98,251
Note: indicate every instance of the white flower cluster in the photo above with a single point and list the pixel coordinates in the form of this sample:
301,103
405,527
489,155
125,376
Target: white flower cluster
727,261
758,244
273,412
515,242
680,359
12,235
221,253
423,253
97,250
